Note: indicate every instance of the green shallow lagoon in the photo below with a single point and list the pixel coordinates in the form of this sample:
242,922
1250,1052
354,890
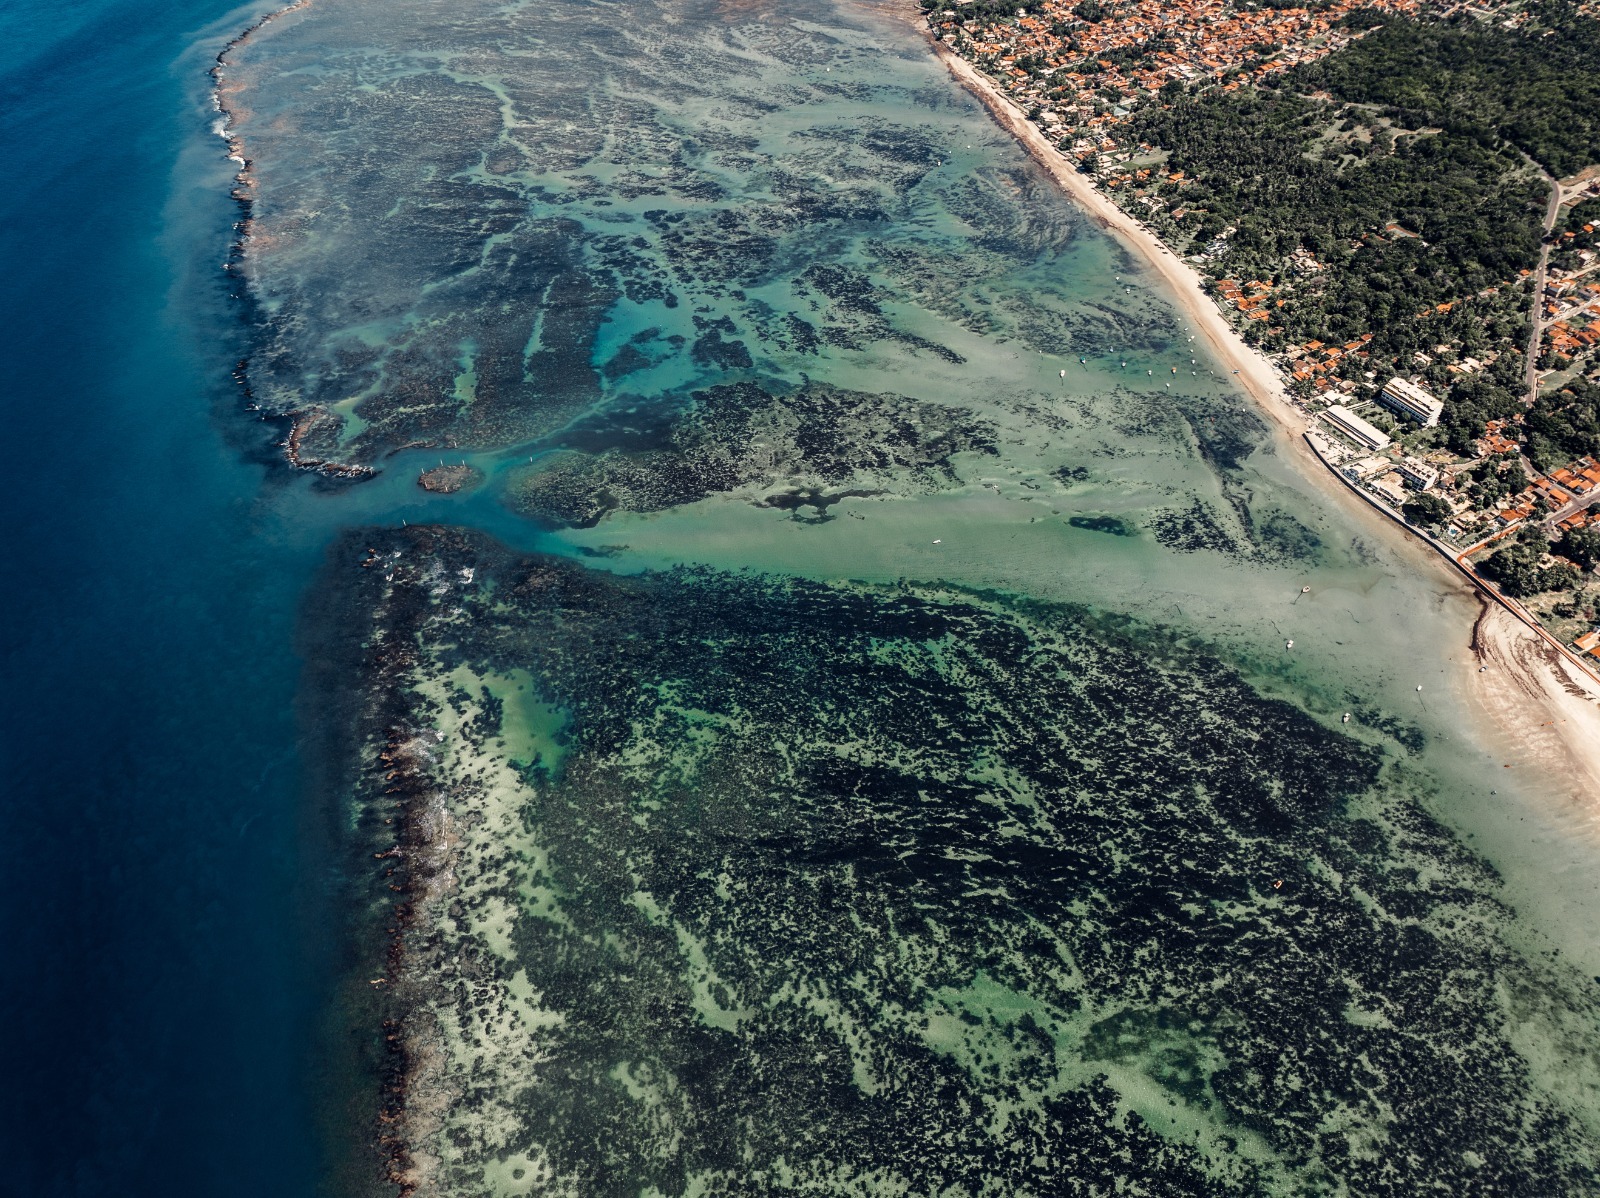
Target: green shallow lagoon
876,765
849,888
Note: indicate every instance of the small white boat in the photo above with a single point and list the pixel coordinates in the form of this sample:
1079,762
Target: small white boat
1288,644
1305,590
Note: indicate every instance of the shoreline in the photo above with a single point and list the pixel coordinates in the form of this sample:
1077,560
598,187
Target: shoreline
300,421
1526,676
403,852
1256,374
1530,694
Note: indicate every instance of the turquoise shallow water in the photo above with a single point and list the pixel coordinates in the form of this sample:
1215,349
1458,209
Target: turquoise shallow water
810,791
468,226
608,213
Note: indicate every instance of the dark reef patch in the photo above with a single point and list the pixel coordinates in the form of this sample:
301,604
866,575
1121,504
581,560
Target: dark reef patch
819,883
1109,524
796,450
1280,536
1193,529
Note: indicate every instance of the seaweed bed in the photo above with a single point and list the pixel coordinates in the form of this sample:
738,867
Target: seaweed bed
488,221
739,435
704,883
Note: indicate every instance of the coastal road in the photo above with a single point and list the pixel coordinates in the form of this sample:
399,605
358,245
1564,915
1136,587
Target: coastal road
1457,556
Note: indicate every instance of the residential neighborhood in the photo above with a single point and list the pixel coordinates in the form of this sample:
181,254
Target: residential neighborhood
1081,68
1461,412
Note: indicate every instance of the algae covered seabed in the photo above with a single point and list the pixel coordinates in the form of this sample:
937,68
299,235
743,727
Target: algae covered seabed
842,735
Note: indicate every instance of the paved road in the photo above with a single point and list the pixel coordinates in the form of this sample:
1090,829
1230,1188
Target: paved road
1455,555
1578,503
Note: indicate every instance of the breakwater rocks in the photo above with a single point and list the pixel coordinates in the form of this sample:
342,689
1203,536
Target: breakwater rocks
732,883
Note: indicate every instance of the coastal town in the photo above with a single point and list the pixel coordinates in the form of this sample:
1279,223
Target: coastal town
1468,416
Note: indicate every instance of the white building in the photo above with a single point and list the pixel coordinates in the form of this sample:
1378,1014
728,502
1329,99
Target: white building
1412,401
1357,429
1416,473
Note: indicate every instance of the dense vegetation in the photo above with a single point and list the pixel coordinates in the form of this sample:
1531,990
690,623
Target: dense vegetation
1466,215
1515,569
1564,425
1538,90
1406,177
1426,509
1404,222
1473,402
1582,545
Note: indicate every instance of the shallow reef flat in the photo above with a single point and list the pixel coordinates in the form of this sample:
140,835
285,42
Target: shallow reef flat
489,225
701,882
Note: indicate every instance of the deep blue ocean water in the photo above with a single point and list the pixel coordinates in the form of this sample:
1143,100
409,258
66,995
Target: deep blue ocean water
158,985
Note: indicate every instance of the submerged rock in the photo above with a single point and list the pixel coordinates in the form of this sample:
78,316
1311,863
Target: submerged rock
447,480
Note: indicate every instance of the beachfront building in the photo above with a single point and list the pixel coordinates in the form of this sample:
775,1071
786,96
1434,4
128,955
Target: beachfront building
1357,429
1416,474
1366,466
1389,488
1411,401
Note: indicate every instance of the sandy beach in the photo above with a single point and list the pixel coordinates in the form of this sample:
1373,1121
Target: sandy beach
1544,711
1255,373
1533,703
